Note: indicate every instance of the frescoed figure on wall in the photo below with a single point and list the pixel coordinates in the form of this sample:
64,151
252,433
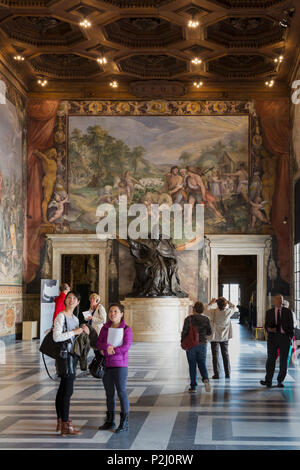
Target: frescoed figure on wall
175,185
49,166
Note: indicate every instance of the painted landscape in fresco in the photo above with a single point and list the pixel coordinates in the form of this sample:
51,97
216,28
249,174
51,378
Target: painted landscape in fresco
161,159
11,208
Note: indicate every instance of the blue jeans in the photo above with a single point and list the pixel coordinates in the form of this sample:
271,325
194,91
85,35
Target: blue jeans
196,356
115,378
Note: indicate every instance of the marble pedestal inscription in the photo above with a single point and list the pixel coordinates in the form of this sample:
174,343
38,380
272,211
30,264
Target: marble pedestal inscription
156,319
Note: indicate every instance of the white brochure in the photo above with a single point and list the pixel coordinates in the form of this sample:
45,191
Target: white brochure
115,336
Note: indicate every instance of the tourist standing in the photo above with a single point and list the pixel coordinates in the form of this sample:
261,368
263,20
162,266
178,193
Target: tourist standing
116,367
221,333
196,356
66,328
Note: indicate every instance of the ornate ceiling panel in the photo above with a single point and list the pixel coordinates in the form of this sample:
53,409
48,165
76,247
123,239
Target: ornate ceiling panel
245,32
42,30
248,3
192,10
150,40
65,66
153,66
241,66
138,3
143,32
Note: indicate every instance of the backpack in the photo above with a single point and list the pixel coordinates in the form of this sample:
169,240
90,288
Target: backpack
191,339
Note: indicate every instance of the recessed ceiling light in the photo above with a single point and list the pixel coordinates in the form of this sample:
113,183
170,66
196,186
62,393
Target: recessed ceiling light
198,84
114,84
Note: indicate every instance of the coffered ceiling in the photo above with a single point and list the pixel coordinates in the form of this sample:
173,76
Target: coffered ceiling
145,40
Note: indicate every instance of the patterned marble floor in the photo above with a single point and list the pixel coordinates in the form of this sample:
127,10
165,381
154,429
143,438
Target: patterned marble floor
236,414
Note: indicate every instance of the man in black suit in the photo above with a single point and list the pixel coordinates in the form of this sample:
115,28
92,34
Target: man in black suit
279,325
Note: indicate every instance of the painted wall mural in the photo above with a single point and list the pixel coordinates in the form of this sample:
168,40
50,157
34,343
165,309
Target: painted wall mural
11,198
214,153
161,159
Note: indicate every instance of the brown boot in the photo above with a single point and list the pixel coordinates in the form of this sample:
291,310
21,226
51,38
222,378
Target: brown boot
58,425
68,428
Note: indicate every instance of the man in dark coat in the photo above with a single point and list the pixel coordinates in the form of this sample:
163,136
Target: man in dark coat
279,325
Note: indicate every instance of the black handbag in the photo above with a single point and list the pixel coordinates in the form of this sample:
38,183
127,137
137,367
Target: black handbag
60,351
54,349
97,367
66,365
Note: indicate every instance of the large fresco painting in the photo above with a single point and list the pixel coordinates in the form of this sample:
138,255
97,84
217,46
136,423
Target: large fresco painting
164,160
11,198
228,156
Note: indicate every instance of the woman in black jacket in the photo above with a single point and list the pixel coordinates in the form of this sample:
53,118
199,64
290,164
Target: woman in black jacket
197,354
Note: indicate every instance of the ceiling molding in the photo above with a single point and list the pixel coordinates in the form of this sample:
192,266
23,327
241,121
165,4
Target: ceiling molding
149,39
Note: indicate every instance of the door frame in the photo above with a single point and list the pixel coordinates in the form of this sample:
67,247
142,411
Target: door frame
241,245
81,244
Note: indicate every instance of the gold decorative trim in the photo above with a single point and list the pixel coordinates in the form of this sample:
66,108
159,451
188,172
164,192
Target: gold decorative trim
10,290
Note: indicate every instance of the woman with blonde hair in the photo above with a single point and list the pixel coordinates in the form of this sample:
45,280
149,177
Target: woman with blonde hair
97,313
95,318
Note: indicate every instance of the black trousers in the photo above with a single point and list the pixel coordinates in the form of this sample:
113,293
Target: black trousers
63,397
281,342
215,356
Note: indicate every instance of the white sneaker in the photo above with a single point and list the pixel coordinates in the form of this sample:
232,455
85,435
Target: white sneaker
207,385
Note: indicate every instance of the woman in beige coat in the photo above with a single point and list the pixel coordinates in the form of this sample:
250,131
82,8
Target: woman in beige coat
221,333
96,317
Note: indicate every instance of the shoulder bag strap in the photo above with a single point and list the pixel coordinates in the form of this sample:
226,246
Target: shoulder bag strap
47,369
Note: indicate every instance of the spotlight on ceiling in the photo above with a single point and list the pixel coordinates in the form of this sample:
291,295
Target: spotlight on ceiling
19,58
114,84
85,23
279,59
196,61
270,83
102,60
198,84
42,82
193,23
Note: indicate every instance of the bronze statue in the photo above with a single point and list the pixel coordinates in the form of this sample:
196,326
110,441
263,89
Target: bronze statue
156,268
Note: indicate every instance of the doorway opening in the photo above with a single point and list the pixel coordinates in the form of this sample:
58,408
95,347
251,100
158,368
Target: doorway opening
82,274
237,282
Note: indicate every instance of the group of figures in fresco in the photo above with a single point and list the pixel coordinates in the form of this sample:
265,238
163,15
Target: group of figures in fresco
11,221
11,198
222,186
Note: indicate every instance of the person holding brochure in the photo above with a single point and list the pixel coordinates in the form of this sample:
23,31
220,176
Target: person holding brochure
114,342
96,315
94,318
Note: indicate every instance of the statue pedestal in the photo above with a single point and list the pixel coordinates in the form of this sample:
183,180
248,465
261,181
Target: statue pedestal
156,319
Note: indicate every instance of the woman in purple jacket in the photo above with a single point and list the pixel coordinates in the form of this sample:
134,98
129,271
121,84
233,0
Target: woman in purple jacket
116,368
